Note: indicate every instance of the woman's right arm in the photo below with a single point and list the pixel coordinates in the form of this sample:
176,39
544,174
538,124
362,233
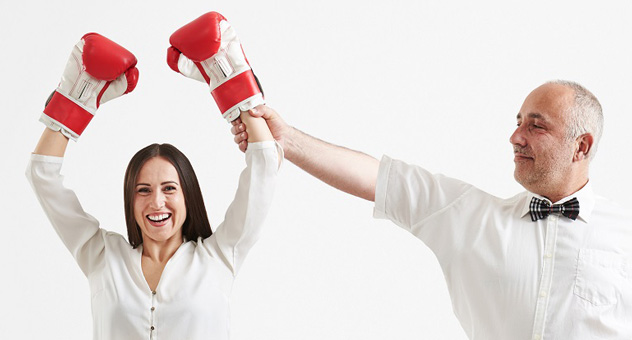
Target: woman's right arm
97,70
79,231
51,143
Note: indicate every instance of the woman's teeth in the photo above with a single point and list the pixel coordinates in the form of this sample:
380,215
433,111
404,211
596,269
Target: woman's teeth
159,217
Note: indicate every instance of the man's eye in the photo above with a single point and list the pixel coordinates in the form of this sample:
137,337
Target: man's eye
538,126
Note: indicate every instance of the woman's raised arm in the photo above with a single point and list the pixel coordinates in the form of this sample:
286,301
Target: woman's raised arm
51,143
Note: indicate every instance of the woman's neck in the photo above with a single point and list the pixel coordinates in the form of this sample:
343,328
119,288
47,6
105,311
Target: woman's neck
161,251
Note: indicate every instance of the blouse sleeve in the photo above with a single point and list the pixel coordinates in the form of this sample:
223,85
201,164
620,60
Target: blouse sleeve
245,216
79,231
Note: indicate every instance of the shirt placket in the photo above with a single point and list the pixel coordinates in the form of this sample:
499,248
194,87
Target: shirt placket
152,309
546,280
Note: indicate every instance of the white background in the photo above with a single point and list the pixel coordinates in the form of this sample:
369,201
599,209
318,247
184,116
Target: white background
436,83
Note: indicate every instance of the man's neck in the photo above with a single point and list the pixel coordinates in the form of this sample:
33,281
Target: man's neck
568,190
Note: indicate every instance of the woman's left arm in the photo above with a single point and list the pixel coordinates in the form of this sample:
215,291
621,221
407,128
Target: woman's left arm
245,217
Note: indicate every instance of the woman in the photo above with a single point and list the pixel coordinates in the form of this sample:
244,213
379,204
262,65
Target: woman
173,278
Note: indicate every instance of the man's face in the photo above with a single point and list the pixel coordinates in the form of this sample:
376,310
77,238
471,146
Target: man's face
543,154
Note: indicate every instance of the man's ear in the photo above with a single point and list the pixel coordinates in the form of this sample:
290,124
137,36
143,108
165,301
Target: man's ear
584,147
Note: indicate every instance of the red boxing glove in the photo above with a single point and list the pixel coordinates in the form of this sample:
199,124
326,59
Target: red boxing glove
207,49
97,70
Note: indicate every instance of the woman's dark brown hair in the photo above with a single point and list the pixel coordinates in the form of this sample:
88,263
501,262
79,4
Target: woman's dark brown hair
196,224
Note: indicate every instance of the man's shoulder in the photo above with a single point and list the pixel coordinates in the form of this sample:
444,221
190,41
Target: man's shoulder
480,200
516,201
391,167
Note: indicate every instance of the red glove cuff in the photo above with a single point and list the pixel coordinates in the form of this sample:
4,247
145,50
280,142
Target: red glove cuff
68,113
235,90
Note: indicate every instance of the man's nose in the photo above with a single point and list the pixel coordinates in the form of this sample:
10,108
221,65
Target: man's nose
517,138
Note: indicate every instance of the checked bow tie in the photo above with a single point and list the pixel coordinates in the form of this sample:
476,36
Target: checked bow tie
540,209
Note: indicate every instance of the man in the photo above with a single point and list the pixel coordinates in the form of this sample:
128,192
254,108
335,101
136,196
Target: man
553,262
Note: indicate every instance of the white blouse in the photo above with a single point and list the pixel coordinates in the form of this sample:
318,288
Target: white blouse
191,300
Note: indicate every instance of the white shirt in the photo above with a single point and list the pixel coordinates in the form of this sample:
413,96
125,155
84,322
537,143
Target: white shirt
510,278
191,300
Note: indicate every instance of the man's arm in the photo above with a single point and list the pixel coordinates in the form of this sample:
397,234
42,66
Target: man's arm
348,170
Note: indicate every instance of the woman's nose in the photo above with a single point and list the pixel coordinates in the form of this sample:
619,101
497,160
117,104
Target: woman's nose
157,200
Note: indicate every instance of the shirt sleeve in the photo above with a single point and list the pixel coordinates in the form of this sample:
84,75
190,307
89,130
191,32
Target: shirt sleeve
245,216
79,231
408,194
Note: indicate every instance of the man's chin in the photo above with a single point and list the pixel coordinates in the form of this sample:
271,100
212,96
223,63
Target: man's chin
528,181
521,178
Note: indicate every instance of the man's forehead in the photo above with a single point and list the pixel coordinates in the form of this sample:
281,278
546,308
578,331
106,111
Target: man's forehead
547,102
533,115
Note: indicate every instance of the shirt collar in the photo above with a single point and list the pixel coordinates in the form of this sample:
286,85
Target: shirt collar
585,196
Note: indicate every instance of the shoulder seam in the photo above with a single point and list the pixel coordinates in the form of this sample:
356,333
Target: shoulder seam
440,211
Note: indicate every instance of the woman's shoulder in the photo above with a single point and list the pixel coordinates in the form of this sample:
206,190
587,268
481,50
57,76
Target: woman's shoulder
114,240
207,246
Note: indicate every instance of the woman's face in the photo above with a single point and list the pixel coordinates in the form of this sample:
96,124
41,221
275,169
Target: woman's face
159,207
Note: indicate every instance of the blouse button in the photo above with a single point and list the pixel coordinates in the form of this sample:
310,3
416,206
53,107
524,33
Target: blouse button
153,292
152,328
153,308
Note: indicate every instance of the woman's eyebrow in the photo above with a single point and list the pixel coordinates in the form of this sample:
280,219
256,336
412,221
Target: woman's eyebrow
163,183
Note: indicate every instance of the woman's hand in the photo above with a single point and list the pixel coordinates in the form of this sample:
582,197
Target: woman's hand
98,70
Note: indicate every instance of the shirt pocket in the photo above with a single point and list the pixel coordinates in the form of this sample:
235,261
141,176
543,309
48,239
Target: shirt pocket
601,276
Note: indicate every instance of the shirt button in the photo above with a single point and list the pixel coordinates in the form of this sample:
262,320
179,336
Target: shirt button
153,292
152,328
548,255
153,308
542,293
537,337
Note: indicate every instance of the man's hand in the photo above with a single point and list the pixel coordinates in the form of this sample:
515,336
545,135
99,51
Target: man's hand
280,129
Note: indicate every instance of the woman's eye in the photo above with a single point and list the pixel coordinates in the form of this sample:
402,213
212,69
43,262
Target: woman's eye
170,188
143,190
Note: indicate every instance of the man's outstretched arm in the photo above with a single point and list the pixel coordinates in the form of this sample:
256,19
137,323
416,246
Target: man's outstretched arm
348,170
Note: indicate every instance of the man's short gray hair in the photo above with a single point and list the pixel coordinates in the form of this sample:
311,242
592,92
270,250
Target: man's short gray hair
586,115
